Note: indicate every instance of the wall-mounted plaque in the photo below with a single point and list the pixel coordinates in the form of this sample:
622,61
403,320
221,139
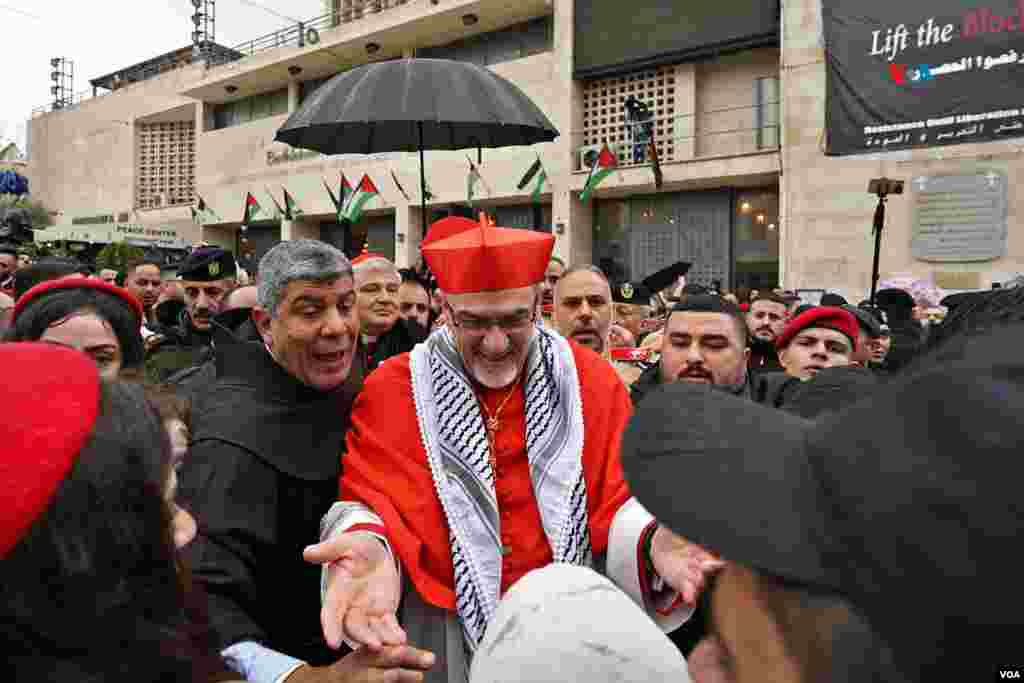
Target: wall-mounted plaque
959,218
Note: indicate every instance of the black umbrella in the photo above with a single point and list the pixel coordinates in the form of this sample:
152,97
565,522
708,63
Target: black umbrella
412,105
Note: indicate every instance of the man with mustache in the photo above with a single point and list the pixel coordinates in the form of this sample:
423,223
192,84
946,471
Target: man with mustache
766,320
583,309
632,308
467,468
264,465
583,313
704,342
384,332
414,298
554,273
207,276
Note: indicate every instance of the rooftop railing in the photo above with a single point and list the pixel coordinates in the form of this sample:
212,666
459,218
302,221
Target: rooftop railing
308,32
298,34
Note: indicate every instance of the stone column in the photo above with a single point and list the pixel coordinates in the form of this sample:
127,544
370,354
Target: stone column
408,235
300,229
573,219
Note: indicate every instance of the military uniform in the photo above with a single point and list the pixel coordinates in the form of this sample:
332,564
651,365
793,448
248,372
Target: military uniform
180,346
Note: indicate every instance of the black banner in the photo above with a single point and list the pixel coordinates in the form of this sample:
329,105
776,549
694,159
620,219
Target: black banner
922,73
615,37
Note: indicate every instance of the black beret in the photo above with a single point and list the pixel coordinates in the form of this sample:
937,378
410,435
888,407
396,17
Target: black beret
207,264
631,293
866,319
894,298
666,277
707,303
832,299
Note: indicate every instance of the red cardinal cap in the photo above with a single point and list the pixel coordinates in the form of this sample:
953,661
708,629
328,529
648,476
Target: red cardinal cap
77,282
366,256
467,256
52,399
829,317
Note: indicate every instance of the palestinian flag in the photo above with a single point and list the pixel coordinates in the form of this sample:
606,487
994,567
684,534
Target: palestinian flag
538,185
252,208
364,192
472,180
334,198
291,209
344,191
277,207
399,186
652,152
530,172
204,211
603,166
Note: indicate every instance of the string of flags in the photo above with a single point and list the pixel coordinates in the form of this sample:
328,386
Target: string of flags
350,202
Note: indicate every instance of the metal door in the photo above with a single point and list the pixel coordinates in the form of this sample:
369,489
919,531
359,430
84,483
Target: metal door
691,226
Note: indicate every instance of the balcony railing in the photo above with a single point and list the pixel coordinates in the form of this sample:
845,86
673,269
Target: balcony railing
732,131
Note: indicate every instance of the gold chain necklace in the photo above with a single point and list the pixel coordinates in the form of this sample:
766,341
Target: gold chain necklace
493,424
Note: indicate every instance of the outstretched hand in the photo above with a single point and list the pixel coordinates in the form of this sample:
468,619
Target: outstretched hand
363,591
685,566
402,664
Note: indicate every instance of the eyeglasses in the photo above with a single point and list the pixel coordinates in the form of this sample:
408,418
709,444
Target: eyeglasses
516,322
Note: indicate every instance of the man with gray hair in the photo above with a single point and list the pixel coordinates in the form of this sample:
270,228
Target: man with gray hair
384,333
264,467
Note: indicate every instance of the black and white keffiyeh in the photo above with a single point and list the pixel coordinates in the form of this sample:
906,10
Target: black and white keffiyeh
455,439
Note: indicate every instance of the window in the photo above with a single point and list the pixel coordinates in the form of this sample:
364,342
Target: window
515,42
250,109
756,238
165,164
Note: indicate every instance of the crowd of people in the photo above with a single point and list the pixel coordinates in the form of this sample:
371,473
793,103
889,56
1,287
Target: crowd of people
498,466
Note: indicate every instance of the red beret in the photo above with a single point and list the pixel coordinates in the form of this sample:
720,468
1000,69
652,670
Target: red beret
52,399
829,317
78,282
627,354
469,256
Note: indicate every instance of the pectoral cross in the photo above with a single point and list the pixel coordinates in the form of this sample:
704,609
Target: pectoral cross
493,425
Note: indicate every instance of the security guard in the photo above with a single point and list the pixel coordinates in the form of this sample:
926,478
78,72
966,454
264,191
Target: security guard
207,276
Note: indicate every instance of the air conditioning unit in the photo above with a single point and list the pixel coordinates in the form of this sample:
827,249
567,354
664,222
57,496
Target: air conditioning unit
587,155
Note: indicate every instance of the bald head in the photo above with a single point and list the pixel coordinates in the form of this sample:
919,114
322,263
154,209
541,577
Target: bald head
241,297
373,268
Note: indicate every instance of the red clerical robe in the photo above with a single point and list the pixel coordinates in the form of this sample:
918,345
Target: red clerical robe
386,469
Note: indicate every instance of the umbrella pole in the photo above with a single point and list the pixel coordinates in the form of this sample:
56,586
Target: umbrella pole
423,185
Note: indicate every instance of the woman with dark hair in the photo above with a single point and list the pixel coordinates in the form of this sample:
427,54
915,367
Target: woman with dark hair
86,314
90,589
